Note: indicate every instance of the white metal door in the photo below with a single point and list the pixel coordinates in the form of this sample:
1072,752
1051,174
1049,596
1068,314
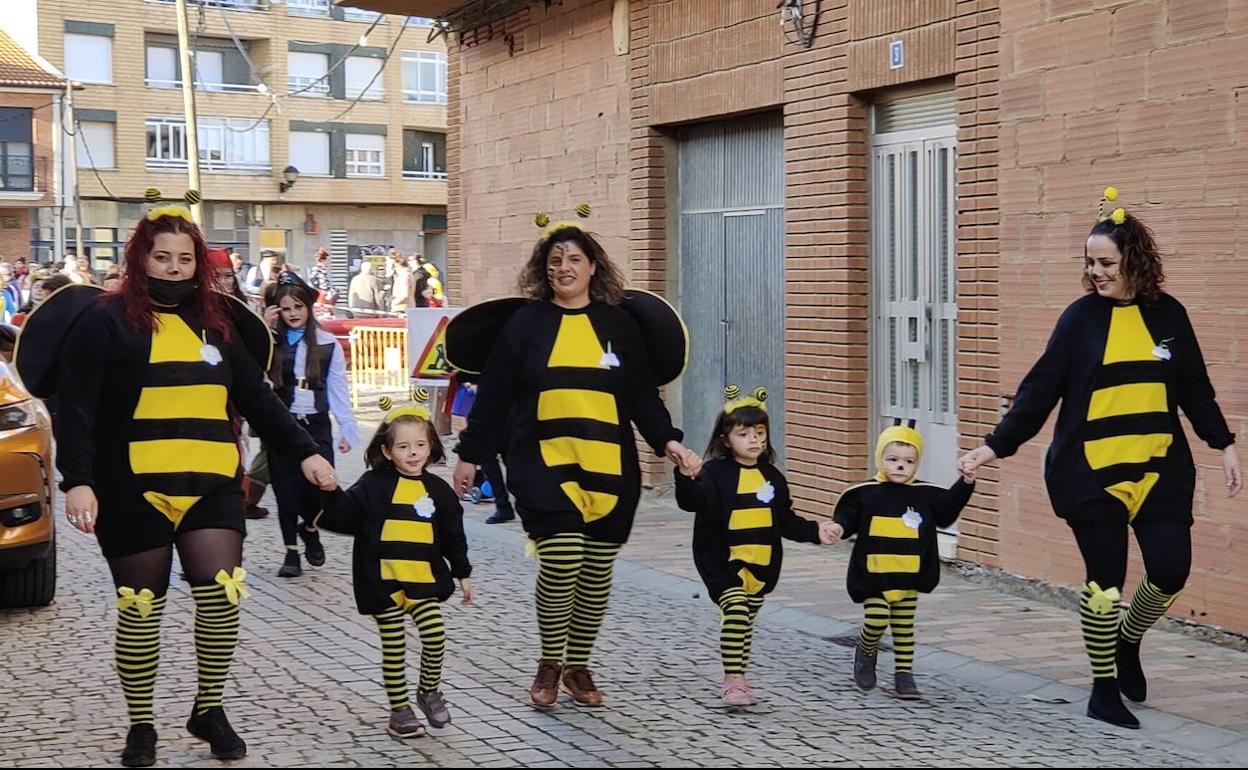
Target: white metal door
914,280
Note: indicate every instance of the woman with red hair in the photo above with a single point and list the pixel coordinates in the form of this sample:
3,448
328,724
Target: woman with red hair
147,449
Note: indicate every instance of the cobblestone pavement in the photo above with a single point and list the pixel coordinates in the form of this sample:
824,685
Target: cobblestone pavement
305,686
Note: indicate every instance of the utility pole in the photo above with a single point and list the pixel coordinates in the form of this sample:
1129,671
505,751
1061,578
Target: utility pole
188,109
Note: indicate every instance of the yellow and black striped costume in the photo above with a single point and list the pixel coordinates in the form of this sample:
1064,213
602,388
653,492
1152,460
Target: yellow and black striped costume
147,426
409,550
744,513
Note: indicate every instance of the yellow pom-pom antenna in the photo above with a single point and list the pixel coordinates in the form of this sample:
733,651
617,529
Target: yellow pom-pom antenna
735,401
760,393
731,392
385,402
542,220
583,211
1111,193
420,395
1119,216
151,195
192,197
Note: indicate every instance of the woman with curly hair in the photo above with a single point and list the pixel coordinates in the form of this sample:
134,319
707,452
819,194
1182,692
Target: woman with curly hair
566,381
1123,360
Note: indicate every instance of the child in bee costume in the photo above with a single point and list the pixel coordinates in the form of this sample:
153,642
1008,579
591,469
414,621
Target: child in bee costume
744,513
895,558
409,549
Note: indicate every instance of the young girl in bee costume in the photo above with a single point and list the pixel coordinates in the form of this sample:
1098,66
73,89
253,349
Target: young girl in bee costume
744,513
148,376
569,373
409,549
1122,360
895,556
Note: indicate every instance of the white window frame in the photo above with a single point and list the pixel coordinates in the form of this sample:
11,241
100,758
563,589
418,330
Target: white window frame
359,14
315,79
215,83
225,144
361,87
102,151
368,161
298,159
422,91
316,8
71,70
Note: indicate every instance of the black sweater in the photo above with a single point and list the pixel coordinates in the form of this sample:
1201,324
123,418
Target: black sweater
743,513
1121,372
896,526
569,384
143,418
409,537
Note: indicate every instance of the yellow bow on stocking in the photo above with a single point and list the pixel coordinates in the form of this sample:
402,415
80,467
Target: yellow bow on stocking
1103,602
142,600
235,585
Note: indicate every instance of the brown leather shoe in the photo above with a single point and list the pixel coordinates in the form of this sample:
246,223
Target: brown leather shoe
545,690
581,687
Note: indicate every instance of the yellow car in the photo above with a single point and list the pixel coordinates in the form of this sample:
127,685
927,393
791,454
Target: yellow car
27,478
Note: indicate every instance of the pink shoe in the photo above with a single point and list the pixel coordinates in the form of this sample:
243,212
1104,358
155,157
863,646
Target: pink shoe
736,692
750,691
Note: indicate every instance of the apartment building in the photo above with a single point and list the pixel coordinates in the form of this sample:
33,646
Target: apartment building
317,126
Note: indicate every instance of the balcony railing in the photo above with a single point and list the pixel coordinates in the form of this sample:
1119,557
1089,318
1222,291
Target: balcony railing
313,86
412,173
237,5
372,94
208,163
235,88
307,7
357,14
418,96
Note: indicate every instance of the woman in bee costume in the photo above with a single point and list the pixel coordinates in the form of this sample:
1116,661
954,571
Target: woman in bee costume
146,378
1123,360
569,371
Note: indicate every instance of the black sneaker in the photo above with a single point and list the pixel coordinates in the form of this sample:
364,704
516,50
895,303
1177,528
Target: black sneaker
1106,704
140,748
212,726
904,686
500,517
1131,679
313,551
292,567
864,669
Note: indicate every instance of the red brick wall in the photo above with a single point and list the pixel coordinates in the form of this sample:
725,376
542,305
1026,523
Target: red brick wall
541,129
1148,96
14,241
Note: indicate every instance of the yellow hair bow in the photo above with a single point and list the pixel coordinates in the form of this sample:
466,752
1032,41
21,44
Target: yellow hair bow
235,584
142,600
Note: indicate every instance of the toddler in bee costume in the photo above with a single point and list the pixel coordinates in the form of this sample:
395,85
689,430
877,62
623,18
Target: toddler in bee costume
744,513
409,549
895,557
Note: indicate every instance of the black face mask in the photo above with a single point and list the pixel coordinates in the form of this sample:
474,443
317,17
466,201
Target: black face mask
171,293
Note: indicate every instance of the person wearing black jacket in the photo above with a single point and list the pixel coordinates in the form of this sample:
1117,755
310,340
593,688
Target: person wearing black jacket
1122,360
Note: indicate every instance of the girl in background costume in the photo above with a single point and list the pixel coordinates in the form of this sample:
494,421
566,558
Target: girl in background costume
569,376
147,450
895,556
743,514
309,375
1123,360
409,549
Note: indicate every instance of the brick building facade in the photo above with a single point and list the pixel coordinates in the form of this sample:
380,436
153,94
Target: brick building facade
901,272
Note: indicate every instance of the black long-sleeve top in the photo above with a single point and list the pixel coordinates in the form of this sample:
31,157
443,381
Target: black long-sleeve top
1122,372
743,515
409,537
143,417
895,524
566,387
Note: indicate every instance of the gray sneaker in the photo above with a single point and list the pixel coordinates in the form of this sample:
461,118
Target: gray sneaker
434,707
864,669
405,724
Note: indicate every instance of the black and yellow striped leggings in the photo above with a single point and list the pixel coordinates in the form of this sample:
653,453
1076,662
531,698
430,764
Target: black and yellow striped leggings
878,615
737,613
573,588
427,616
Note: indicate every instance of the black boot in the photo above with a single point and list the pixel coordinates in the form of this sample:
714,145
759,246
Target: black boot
501,515
140,748
212,726
292,567
904,686
1131,679
313,551
1106,704
864,669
